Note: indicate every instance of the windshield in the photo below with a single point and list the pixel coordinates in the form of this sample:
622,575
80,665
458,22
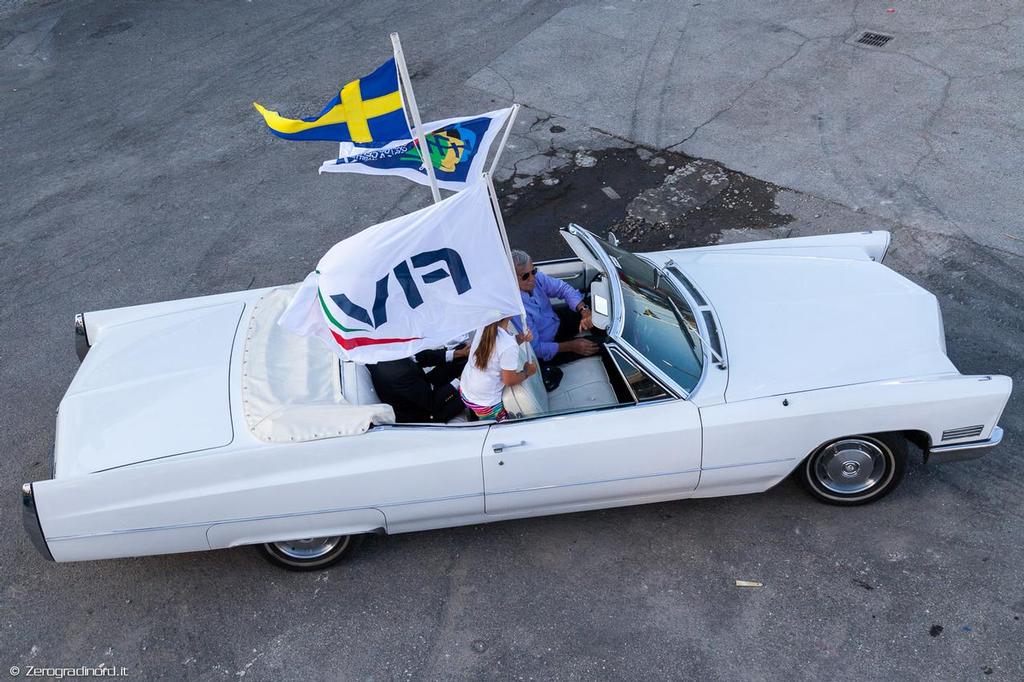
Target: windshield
657,320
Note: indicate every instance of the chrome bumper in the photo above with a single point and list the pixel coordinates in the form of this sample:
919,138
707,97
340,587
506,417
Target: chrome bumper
31,521
961,451
81,337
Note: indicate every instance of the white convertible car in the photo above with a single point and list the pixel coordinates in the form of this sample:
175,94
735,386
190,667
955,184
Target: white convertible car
200,424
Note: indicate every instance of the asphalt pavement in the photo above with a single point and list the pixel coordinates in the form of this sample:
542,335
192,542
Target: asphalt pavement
136,170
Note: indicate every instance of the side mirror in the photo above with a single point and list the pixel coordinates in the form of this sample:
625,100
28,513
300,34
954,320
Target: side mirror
612,239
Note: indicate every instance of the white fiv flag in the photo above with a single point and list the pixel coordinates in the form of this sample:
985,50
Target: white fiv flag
458,150
409,284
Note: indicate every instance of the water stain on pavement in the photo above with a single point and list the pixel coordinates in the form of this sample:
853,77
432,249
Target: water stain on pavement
651,200
111,29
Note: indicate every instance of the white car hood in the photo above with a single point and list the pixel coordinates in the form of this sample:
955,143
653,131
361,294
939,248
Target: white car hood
150,388
798,323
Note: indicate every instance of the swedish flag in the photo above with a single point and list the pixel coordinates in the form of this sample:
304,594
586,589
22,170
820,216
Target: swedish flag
368,109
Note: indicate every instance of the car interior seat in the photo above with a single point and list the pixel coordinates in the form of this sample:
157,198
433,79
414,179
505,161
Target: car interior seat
585,383
356,384
529,397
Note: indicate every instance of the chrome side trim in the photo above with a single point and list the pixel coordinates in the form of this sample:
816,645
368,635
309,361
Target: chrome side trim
81,336
749,464
30,518
714,339
963,432
706,317
614,349
520,420
660,377
197,524
963,451
427,500
888,241
685,281
607,480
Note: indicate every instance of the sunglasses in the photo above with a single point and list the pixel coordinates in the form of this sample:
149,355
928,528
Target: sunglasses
527,275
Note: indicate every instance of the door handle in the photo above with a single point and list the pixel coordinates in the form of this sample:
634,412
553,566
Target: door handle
501,447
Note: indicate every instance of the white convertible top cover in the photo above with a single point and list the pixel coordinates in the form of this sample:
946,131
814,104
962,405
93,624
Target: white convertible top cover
291,387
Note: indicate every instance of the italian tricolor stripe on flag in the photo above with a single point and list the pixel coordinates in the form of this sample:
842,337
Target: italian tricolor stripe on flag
348,343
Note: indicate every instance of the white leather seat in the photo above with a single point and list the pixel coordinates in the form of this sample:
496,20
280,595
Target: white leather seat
530,397
356,384
585,383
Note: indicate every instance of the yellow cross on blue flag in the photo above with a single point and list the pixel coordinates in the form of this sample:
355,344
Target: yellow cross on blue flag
367,110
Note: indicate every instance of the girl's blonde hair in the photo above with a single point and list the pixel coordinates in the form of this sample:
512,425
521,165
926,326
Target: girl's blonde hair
488,339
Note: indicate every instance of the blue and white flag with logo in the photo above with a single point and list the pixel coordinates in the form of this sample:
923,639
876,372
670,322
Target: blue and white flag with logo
409,284
458,149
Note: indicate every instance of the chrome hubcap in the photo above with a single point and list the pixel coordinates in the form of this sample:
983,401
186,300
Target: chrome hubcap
310,548
850,466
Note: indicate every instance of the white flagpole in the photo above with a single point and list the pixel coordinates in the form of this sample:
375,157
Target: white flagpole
504,239
403,72
504,139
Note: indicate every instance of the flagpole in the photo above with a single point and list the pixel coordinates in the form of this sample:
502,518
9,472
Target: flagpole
504,139
492,193
403,72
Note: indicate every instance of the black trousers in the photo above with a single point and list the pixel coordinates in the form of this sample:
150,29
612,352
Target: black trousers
568,328
419,396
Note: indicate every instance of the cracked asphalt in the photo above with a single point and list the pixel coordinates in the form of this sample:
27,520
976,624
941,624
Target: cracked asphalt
136,171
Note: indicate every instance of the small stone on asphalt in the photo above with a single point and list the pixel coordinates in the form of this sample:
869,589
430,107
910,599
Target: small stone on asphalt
584,160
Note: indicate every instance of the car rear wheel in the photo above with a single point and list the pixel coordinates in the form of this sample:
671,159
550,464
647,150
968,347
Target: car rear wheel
310,554
855,469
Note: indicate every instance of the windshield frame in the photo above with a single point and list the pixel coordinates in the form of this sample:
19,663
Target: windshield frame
617,318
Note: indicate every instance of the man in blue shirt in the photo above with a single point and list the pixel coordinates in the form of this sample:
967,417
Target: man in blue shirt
554,333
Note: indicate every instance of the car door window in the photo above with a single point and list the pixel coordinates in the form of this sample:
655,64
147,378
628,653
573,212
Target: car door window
643,387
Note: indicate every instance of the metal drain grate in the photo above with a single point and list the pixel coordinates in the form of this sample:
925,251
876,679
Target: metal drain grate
872,39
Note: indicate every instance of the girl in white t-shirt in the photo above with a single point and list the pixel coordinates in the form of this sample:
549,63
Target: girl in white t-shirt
493,365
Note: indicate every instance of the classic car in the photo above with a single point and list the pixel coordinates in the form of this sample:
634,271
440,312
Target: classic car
200,424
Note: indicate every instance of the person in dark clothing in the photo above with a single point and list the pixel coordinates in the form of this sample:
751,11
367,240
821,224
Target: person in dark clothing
418,395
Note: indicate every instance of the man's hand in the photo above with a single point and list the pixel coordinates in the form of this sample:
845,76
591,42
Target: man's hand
586,319
461,351
525,337
530,369
582,347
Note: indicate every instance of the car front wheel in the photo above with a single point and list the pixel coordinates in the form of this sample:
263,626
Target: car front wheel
856,469
310,554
